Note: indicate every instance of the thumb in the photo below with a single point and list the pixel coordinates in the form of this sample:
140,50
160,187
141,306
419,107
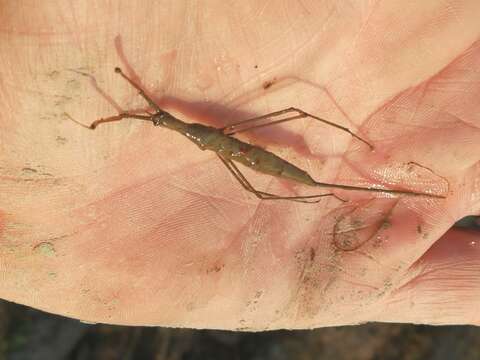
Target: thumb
443,286
472,190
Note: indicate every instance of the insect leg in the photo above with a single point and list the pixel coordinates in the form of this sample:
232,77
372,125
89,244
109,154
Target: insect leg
140,90
260,194
113,118
264,195
343,128
231,129
297,114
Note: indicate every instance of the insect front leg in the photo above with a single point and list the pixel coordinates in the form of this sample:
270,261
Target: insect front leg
142,93
113,118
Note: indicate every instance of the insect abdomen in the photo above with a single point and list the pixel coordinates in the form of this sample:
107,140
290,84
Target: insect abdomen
266,162
254,157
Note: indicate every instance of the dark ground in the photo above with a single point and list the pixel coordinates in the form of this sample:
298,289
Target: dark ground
28,334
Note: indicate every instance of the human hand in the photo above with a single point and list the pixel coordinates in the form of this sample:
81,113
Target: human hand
132,224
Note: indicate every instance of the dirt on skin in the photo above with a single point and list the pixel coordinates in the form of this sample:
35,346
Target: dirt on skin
26,333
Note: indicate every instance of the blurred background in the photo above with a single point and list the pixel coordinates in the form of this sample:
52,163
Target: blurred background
28,334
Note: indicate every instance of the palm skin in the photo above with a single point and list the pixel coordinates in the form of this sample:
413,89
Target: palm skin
131,224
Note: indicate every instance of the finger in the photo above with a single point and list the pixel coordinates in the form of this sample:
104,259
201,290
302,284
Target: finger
443,286
473,183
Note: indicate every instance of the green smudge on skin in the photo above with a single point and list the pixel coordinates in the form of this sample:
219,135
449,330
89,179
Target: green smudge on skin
45,249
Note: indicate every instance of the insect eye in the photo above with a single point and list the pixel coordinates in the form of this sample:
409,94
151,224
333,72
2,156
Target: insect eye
157,120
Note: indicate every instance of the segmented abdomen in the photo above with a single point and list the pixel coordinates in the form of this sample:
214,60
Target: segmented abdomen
262,160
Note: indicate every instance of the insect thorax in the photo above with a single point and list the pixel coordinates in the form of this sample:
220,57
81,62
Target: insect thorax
205,137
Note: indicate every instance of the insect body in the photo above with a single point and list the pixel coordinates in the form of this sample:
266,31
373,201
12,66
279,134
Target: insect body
255,157
230,149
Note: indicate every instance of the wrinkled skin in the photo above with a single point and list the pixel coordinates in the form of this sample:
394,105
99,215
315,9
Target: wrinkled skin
131,224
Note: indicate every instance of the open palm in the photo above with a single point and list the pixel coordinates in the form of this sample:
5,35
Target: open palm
133,224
